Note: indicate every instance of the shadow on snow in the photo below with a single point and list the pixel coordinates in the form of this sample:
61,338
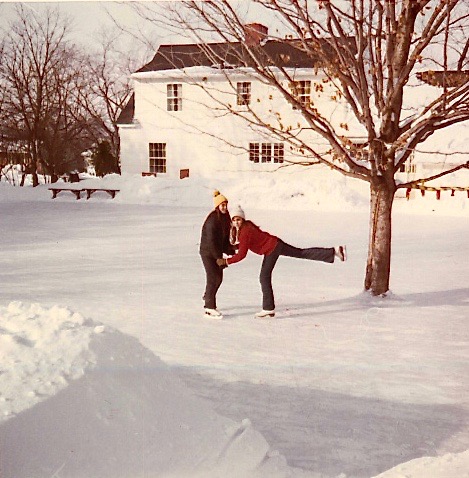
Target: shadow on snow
364,302
331,433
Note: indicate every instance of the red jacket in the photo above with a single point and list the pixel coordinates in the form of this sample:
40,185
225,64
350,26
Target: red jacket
252,238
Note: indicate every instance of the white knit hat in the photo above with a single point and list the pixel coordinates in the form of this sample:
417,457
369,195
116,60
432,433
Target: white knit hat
238,212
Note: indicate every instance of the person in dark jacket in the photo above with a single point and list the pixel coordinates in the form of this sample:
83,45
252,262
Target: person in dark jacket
214,242
249,237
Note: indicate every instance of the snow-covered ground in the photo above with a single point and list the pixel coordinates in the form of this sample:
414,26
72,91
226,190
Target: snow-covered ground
109,370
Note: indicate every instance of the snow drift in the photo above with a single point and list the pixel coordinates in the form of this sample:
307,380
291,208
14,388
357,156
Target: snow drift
64,378
286,190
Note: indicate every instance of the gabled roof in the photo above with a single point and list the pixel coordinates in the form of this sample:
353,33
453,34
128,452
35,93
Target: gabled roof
127,114
287,53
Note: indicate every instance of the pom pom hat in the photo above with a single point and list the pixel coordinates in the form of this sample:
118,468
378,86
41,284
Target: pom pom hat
238,212
218,198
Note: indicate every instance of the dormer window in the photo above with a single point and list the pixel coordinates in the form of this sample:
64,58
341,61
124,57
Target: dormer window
174,97
301,90
243,92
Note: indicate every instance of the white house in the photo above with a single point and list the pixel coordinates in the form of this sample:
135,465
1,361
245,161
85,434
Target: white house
176,123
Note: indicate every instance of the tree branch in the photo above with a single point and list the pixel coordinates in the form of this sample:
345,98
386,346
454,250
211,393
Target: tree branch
431,178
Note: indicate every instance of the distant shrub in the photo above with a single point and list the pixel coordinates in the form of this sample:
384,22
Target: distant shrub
104,161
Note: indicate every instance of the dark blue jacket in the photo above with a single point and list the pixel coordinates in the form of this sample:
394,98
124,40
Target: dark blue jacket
215,238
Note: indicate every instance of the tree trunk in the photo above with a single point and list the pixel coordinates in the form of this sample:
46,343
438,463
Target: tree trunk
378,265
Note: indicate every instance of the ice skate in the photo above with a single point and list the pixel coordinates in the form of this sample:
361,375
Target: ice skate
212,314
341,252
263,314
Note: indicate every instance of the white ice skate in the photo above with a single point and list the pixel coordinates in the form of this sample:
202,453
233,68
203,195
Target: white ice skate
263,314
341,252
212,314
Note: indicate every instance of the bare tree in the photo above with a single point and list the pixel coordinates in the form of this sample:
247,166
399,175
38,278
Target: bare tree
369,52
108,87
42,73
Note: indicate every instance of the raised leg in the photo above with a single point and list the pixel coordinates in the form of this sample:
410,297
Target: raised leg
323,254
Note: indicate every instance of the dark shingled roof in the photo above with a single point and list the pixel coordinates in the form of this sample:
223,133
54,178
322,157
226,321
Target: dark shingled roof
127,114
285,53
441,78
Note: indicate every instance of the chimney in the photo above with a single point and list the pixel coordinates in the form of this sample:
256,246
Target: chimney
255,33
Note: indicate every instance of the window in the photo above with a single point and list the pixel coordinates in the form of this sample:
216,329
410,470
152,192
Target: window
266,152
278,152
409,166
174,97
243,90
302,91
254,152
157,157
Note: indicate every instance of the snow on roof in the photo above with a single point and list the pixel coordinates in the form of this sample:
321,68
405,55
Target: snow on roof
214,71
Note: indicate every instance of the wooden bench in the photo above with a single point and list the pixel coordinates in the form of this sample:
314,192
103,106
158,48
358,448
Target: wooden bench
90,191
78,190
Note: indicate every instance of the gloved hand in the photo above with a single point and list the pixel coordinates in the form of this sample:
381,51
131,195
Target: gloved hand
222,263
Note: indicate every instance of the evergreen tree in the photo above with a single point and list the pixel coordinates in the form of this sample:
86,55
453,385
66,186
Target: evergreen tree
104,161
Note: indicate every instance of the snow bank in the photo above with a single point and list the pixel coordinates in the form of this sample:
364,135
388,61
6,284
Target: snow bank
79,399
451,465
451,203
40,351
283,191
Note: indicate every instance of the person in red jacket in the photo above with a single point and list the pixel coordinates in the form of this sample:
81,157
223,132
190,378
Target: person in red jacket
249,237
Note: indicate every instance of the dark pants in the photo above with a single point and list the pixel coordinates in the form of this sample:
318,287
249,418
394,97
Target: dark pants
282,249
214,278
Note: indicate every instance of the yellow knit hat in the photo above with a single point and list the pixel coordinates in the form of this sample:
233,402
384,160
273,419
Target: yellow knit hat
218,198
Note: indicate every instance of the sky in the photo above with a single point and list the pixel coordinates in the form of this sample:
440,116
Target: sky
90,16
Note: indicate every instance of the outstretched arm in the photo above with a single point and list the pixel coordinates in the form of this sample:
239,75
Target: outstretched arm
243,248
